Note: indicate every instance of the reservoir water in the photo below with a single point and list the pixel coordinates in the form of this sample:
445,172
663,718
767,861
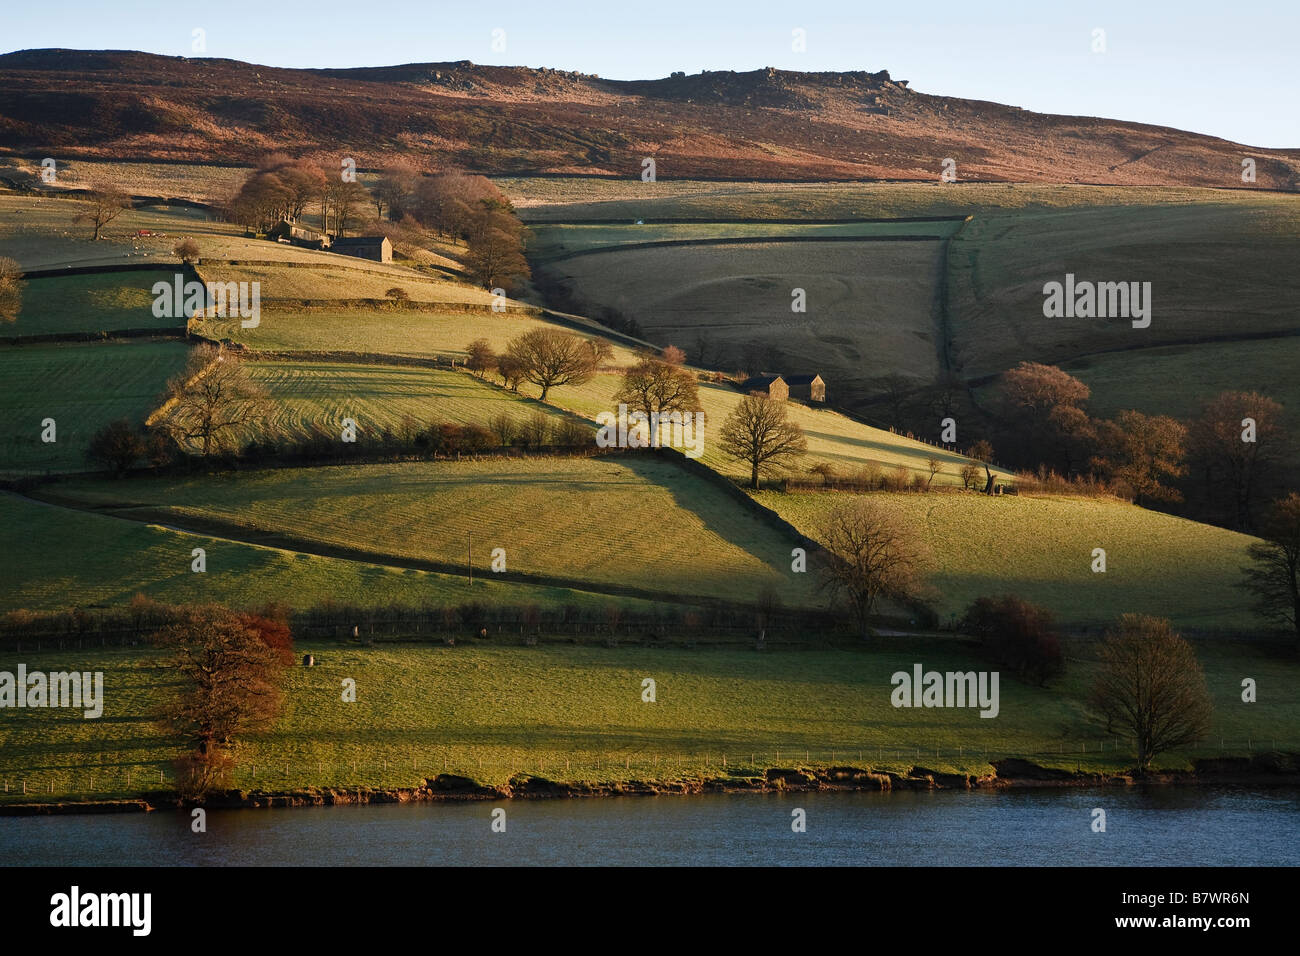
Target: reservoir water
1144,826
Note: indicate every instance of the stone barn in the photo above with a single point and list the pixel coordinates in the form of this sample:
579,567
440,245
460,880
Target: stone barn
299,235
807,388
376,248
768,385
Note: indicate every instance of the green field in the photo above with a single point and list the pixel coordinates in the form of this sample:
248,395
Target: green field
82,387
620,520
40,233
871,308
575,713
1216,267
335,277
105,302
550,199
1041,550
194,181
382,331
551,240
832,437
312,395
54,558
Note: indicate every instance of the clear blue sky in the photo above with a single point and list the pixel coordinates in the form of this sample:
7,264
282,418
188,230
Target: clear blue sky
1224,68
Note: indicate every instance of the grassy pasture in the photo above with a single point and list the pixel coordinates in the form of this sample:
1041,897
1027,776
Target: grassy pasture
91,303
617,520
1216,267
82,386
832,437
377,397
385,331
871,307
556,239
39,232
575,713
1041,549
54,557
194,181
543,199
337,278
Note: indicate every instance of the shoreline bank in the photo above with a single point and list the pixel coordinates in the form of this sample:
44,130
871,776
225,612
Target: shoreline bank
1011,773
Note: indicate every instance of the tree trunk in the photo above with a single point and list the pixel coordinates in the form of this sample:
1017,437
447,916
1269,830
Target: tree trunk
754,477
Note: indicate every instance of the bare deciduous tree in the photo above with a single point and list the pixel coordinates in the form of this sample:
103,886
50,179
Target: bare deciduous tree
503,428
187,250
982,452
1151,686
1234,442
933,467
549,358
230,667
479,357
1143,451
656,386
213,399
869,556
1274,578
11,289
105,203
758,432
510,370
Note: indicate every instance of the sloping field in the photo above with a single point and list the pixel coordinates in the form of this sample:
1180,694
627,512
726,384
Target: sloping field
105,302
1217,268
320,395
575,713
53,557
552,240
193,181
832,437
40,233
383,331
336,278
1041,549
871,306
629,521
559,200
82,387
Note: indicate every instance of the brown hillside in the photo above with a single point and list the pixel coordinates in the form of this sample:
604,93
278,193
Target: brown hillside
765,124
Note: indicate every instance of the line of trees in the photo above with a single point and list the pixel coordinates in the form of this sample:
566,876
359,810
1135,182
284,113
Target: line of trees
461,207
1225,458
407,207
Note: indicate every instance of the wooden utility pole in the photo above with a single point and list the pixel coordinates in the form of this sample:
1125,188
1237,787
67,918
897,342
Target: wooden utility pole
469,552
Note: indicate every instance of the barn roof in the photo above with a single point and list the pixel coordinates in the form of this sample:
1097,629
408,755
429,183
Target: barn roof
801,379
760,381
